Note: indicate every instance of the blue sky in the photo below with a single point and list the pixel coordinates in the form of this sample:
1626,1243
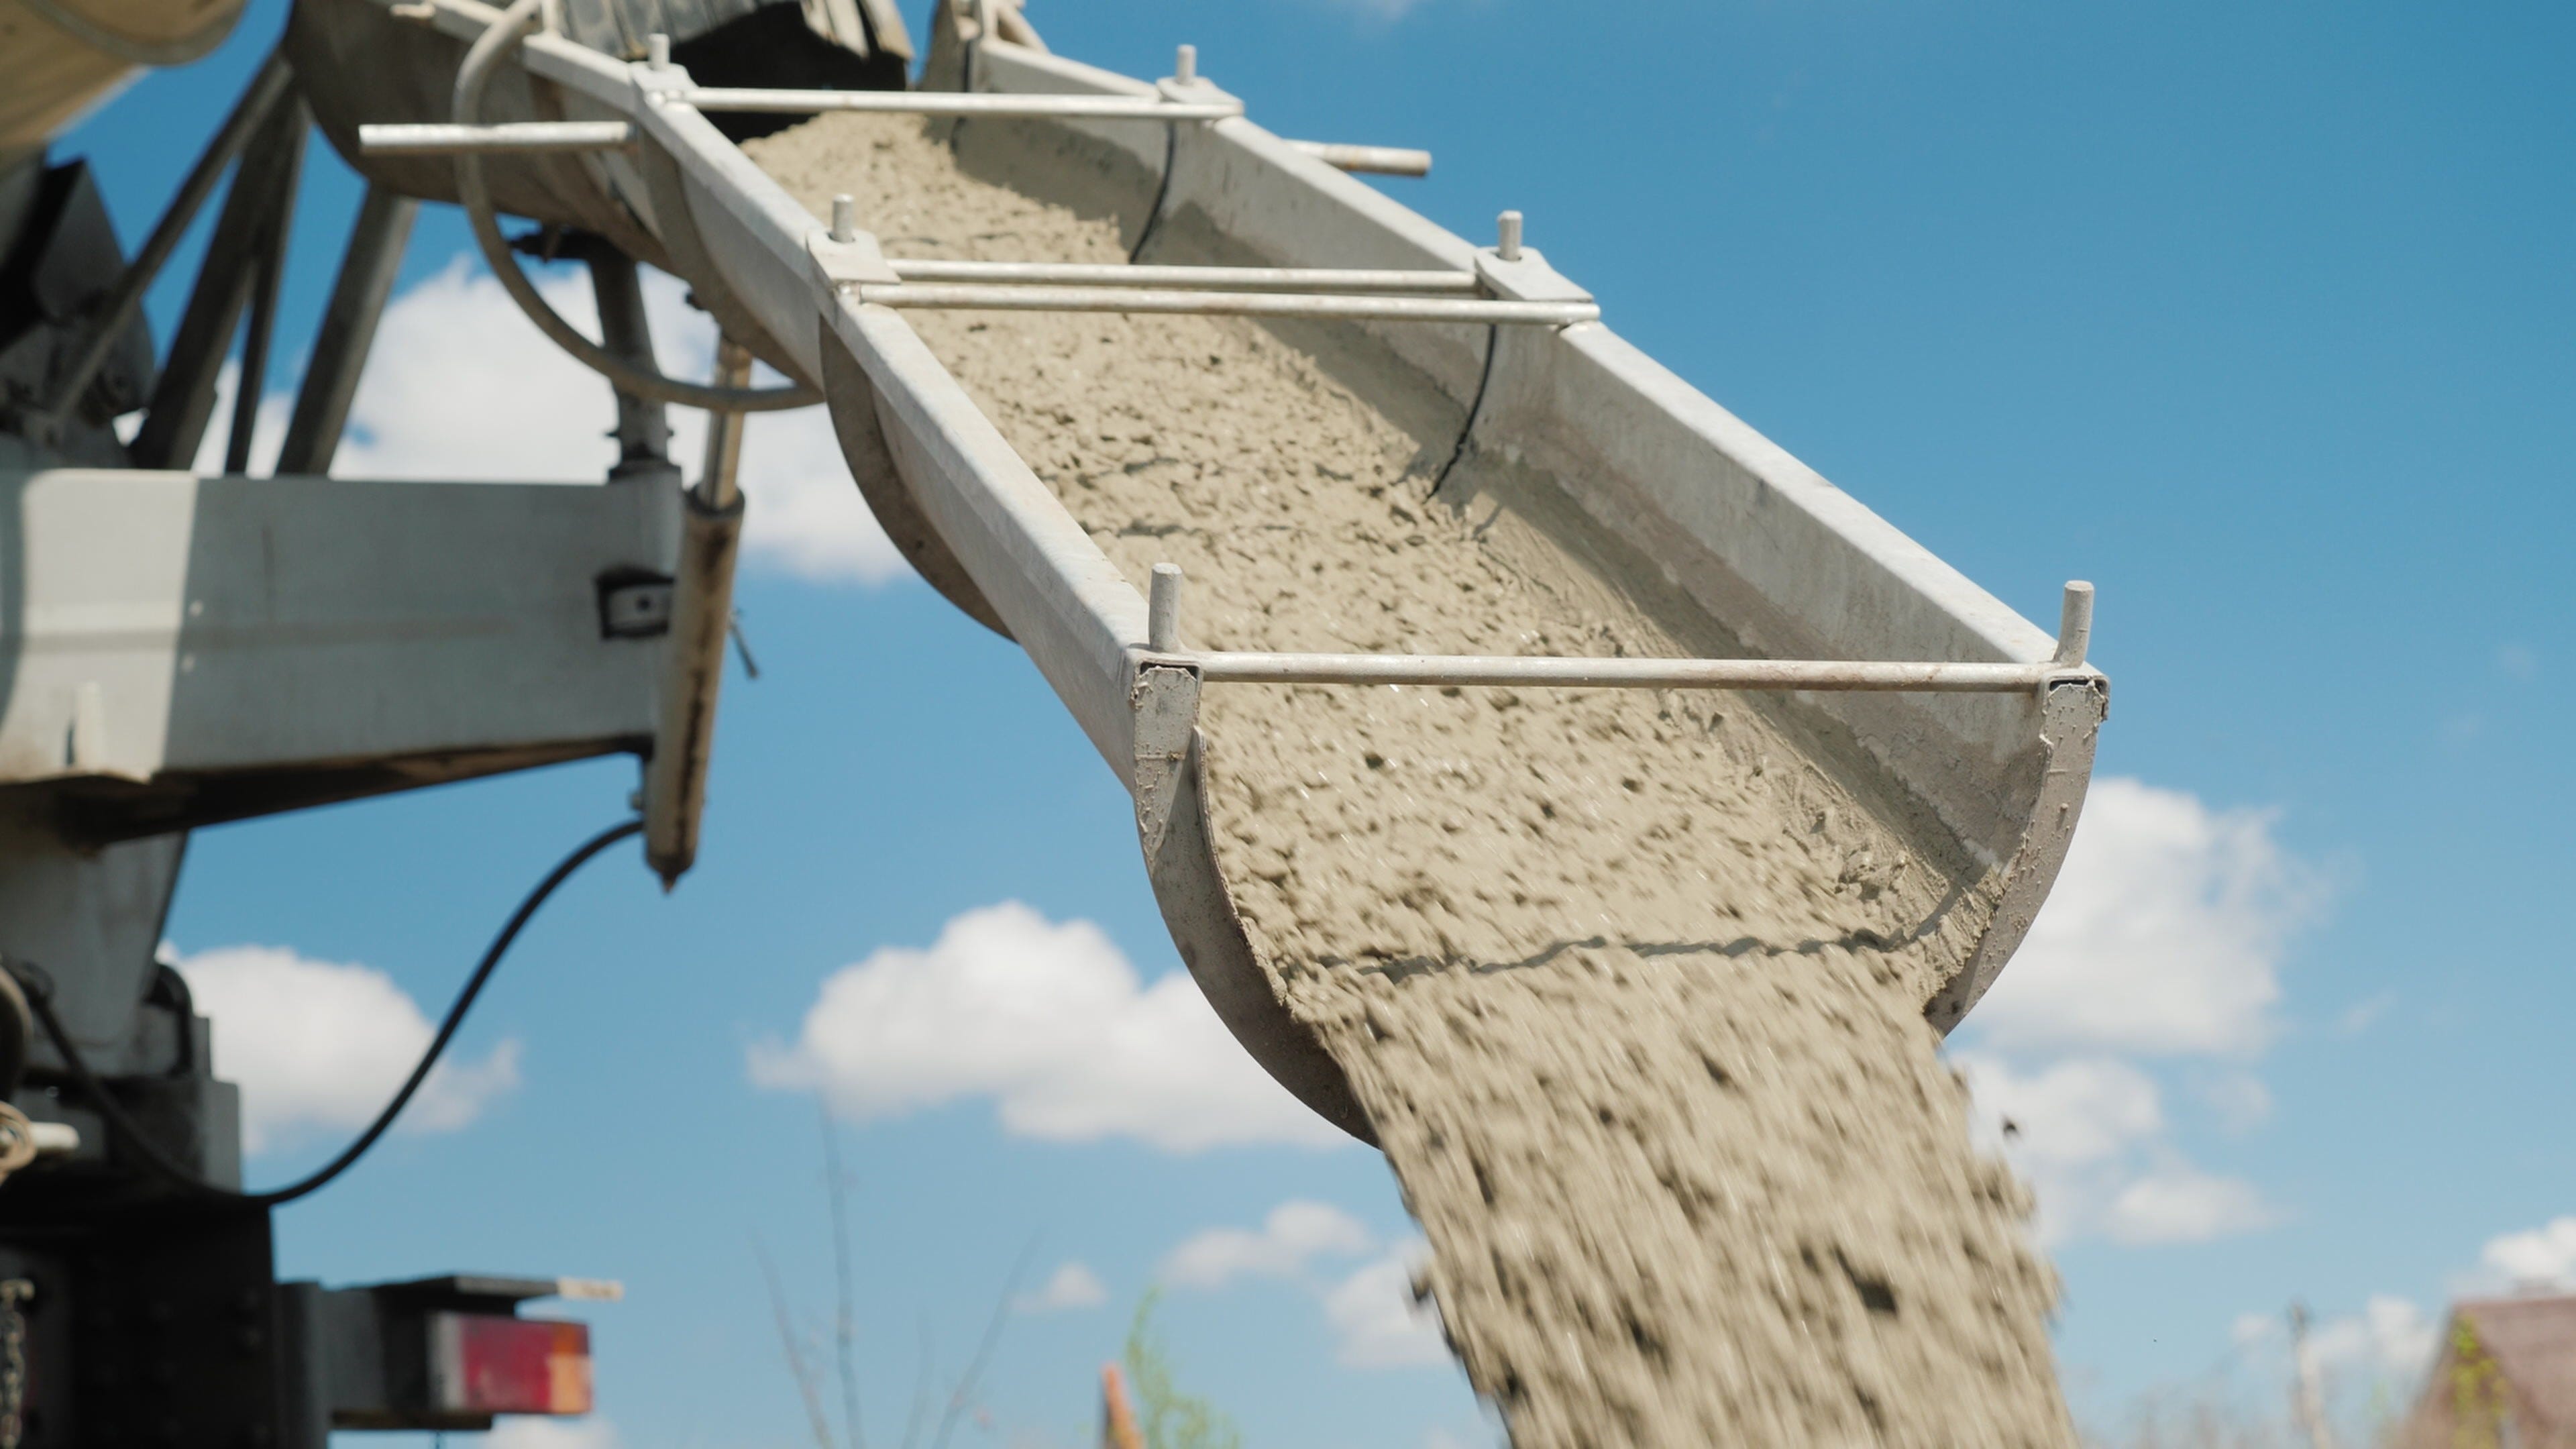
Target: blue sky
2260,316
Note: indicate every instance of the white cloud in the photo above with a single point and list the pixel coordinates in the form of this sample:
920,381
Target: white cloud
525,1432
2252,1329
1381,11
1375,1319
804,517
1295,1233
315,1045
2542,1256
1072,1285
1377,1322
2518,661
2164,933
2163,938
1051,1022
460,385
2364,1014
2389,1336
2091,1136
2070,1114
2239,1100
2178,1203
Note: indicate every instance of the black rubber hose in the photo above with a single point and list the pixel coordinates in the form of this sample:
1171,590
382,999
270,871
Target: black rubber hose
39,994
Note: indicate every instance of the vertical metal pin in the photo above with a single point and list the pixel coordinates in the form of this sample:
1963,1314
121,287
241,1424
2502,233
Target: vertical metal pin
1163,610
2074,624
845,218
657,51
1185,64
1507,236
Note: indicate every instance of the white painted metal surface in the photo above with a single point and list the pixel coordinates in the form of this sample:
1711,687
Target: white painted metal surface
179,650
166,627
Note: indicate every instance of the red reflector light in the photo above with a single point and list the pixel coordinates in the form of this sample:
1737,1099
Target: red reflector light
482,1363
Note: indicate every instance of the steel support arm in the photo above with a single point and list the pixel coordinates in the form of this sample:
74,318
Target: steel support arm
183,403
366,282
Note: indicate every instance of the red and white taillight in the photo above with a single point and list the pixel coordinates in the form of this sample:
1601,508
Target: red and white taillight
483,1363
439,1353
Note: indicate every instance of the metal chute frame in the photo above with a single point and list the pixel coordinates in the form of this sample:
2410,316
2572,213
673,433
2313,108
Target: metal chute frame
1796,569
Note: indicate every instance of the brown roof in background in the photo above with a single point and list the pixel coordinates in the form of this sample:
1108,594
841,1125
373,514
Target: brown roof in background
2533,1341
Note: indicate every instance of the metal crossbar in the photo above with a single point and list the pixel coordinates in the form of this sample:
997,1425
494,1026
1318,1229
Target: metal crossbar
968,297
1240,667
1377,160
1163,613
942,103
1212,279
515,137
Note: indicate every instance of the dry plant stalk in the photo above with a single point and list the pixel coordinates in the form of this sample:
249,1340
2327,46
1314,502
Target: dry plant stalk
1117,1421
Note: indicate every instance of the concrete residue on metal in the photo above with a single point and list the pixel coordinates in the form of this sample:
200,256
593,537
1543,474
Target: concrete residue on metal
1629,982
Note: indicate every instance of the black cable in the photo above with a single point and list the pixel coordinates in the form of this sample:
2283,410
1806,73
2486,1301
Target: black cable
1162,191
39,992
1475,410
